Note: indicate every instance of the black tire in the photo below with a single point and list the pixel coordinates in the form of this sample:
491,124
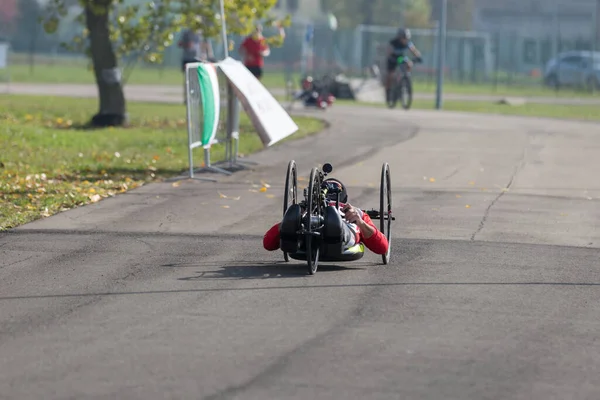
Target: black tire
385,209
291,190
313,209
406,92
392,98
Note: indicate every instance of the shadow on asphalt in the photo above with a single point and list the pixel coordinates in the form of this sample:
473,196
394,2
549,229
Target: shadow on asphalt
264,271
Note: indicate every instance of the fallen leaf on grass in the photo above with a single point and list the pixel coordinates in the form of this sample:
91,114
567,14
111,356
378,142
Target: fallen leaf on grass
95,198
263,189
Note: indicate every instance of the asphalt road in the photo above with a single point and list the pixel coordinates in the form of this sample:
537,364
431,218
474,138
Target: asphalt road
493,290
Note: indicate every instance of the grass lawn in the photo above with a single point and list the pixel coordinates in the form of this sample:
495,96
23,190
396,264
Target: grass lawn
561,111
526,90
77,72
48,164
576,112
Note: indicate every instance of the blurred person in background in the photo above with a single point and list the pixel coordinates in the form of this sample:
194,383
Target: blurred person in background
396,48
255,48
196,48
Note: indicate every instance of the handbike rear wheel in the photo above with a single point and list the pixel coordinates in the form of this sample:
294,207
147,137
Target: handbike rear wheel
313,209
291,192
385,209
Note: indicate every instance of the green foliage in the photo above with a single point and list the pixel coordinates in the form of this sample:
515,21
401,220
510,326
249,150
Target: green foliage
460,13
144,29
417,14
410,13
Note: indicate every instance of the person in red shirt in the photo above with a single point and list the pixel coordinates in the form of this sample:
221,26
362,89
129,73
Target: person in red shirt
254,49
357,226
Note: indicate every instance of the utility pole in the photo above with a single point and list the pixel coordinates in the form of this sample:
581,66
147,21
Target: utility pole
367,9
441,53
224,31
556,29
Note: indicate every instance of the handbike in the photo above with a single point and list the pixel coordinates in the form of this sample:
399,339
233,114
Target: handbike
319,238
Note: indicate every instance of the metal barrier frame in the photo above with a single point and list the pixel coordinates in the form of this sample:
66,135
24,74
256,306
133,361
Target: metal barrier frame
232,138
233,131
191,143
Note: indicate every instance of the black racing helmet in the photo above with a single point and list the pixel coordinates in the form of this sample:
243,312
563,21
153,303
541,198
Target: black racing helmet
404,33
337,184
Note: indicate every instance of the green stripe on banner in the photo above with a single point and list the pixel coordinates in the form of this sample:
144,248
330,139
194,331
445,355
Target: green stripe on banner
208,105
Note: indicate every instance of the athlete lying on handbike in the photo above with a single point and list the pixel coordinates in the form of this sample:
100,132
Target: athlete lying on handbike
357,226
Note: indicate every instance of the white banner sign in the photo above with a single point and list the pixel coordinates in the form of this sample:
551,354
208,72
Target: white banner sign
3,55
270,119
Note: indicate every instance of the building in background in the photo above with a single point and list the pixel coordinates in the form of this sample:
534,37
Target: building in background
537,18
528,33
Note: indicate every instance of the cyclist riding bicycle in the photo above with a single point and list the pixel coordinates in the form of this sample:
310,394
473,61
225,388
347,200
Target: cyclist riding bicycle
397,48
357,226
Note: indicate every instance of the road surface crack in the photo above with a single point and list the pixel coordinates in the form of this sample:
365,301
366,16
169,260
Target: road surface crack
486,214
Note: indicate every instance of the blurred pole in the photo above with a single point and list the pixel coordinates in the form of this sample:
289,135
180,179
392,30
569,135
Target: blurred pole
556,30
595,49
441,53
368,10
224,31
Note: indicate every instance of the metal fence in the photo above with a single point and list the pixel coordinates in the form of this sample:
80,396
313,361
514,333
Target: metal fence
511,44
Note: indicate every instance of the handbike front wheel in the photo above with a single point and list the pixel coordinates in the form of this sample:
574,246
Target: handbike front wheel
385,209
313,209
392,96
291,193
406,92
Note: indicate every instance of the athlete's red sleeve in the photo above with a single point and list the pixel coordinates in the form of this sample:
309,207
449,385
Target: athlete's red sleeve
271,238
377,243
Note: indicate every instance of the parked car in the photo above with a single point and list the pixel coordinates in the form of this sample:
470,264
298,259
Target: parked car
574,69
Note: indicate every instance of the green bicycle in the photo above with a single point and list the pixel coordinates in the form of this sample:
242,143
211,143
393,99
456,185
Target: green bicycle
401,88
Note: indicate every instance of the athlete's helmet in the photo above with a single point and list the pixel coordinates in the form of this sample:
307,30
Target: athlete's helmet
404,33
333,183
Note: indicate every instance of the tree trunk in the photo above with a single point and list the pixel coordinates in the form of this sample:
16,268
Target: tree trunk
112,110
